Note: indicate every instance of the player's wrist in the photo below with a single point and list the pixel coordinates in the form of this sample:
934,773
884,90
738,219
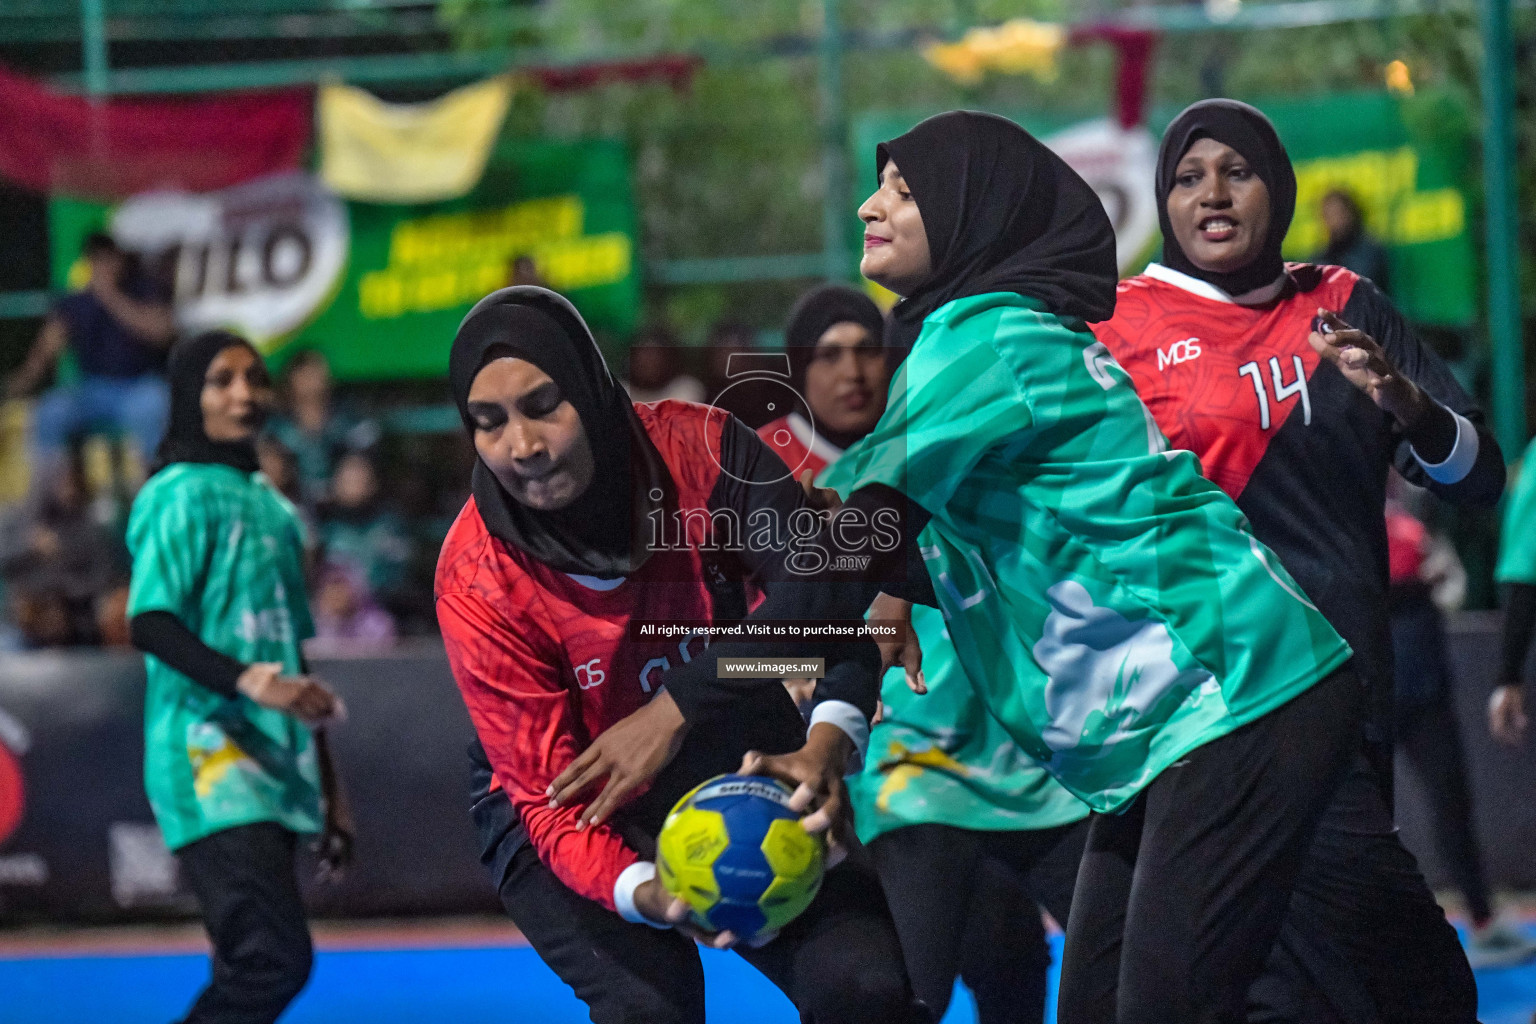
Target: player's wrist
255,680
668,715
829,745
639,896
1405,401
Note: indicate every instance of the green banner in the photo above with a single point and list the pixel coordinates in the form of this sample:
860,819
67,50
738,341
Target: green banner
1409,184
1409,178
380,289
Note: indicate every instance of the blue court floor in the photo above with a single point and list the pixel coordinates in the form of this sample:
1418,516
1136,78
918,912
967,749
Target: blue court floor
501,982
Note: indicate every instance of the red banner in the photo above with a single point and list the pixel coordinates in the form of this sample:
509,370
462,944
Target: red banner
64,144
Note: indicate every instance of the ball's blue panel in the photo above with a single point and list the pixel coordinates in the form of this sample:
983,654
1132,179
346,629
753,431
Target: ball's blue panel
745,809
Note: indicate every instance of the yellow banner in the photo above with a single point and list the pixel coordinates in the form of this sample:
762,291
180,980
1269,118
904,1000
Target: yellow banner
446,260
381,152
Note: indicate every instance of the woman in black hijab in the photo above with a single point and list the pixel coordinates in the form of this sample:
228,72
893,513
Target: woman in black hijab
1000,213
1299,387
839,368
1014,441
233,773
591,517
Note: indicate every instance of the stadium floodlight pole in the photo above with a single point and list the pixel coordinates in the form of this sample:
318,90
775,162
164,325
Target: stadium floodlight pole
93,44
834,142
1502,215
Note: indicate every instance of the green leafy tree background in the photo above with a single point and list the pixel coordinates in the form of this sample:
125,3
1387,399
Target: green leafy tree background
732,166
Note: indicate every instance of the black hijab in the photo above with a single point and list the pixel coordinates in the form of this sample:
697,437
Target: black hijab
185,439
602,533
1002,214
1248,131
818,310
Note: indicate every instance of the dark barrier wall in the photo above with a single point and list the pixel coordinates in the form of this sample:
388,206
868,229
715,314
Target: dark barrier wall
84,847
1503,780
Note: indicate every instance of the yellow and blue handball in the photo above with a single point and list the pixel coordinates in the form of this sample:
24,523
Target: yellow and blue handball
734,851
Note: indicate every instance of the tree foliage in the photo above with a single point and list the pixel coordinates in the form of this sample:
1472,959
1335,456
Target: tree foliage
733,165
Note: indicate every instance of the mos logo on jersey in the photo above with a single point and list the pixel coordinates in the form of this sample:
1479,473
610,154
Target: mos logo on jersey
1178,352
590,674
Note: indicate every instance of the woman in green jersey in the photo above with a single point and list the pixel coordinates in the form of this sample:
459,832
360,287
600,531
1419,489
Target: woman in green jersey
217,604
1166,669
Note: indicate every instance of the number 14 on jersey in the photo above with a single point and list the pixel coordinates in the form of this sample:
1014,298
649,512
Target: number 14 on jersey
1282,390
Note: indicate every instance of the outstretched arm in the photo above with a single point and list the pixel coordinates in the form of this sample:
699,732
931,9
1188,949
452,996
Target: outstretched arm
1446,445
45,351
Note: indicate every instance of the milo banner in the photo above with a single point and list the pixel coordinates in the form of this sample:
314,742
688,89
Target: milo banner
1409,184
378,288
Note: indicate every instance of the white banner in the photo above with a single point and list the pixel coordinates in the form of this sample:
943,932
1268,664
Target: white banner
1120,164
259,259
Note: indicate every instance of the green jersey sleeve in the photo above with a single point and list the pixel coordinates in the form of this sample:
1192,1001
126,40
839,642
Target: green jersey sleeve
952,401
170,541
1517,548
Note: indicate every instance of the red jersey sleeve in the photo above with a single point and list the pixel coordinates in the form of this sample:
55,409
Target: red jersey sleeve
524,718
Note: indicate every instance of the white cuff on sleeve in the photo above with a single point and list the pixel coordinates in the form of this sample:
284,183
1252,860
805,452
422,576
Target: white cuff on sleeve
1463,454
849,719
630,879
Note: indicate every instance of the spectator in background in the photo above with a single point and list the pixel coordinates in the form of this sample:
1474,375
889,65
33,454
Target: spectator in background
1427,580
656,370
312,427
346,614
525,271
363,536
281,468
65,574
119,328
1349,244
838,364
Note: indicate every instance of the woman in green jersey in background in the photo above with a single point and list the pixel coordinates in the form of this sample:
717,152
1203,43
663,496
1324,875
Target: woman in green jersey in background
218,606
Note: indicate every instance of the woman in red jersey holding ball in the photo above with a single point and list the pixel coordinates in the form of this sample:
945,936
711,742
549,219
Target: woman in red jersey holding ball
562,550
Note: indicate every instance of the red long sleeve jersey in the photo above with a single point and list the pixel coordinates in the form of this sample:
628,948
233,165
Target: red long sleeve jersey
1303,452
545,662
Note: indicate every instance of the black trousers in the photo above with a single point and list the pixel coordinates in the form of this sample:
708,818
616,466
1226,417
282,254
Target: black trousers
839,962
1180,899
967,903
245,880
1428,734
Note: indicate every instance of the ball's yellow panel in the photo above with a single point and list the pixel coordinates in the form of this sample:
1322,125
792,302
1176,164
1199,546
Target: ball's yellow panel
787,898
791,850
796,858
690,841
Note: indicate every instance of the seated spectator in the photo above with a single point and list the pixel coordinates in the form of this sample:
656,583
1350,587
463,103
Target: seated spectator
346,615
312,427
361,534
119,329
65,575
656,370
